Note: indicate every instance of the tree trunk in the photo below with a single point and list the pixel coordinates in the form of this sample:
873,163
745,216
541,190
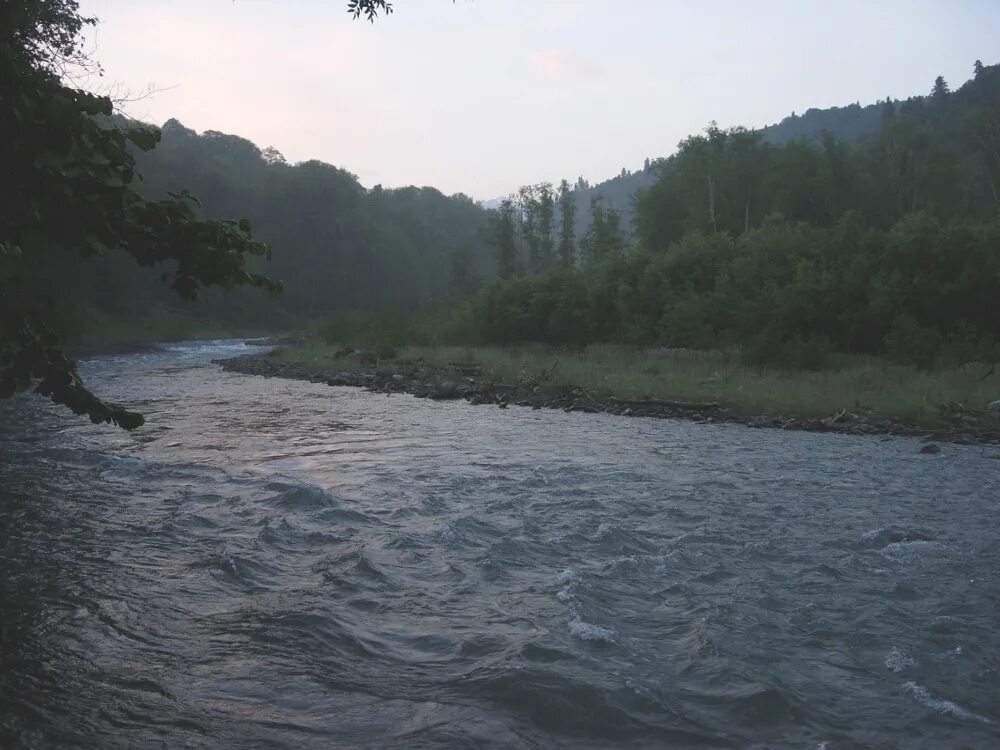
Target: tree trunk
711,202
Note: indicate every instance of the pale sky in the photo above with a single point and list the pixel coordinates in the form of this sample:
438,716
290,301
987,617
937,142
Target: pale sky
482,96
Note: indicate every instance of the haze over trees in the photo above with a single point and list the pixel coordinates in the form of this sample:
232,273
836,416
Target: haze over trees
336,245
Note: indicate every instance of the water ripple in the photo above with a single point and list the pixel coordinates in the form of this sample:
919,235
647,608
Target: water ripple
281,564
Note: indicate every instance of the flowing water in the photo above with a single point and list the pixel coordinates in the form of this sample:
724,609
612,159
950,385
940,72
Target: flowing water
279,564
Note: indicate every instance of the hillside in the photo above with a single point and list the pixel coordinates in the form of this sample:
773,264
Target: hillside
888,245
339,246
851,123
336,244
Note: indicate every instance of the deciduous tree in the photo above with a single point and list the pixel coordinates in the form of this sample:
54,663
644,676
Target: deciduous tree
68,186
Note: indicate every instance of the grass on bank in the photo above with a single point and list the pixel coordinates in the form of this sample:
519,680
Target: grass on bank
890,391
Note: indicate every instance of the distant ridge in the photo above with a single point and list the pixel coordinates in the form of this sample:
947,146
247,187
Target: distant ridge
852,123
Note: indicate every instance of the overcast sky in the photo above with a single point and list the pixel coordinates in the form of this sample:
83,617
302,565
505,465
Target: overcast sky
481,96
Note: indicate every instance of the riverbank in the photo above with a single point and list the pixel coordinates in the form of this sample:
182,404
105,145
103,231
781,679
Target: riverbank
870,398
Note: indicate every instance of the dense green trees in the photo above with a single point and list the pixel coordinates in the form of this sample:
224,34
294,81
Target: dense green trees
605,238
523,230
567,217
931,154
788,292
503,237
336,245
887,246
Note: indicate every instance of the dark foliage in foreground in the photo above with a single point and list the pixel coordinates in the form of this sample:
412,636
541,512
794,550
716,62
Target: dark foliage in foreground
70,198
68,193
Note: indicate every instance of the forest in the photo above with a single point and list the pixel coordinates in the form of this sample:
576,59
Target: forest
335,245
870,230
888,244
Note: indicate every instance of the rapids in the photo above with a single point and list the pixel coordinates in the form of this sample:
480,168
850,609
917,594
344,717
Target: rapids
280,564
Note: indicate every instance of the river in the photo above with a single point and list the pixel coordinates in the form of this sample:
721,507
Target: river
280,564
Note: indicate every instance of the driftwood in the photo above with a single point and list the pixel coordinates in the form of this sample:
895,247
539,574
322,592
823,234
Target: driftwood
666,404
838,417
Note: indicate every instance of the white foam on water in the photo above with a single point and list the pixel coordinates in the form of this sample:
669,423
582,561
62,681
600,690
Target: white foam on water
909,550
760,545
871,536
604,529
567,576
624,560
590,632
924,697
630,564
638,689
897,660
952,653
569,580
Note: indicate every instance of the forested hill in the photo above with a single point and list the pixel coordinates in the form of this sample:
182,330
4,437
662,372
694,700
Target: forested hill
852,123
339,246
336,245
889,245
616,194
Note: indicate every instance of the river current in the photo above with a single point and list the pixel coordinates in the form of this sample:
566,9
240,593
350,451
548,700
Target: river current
278,564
